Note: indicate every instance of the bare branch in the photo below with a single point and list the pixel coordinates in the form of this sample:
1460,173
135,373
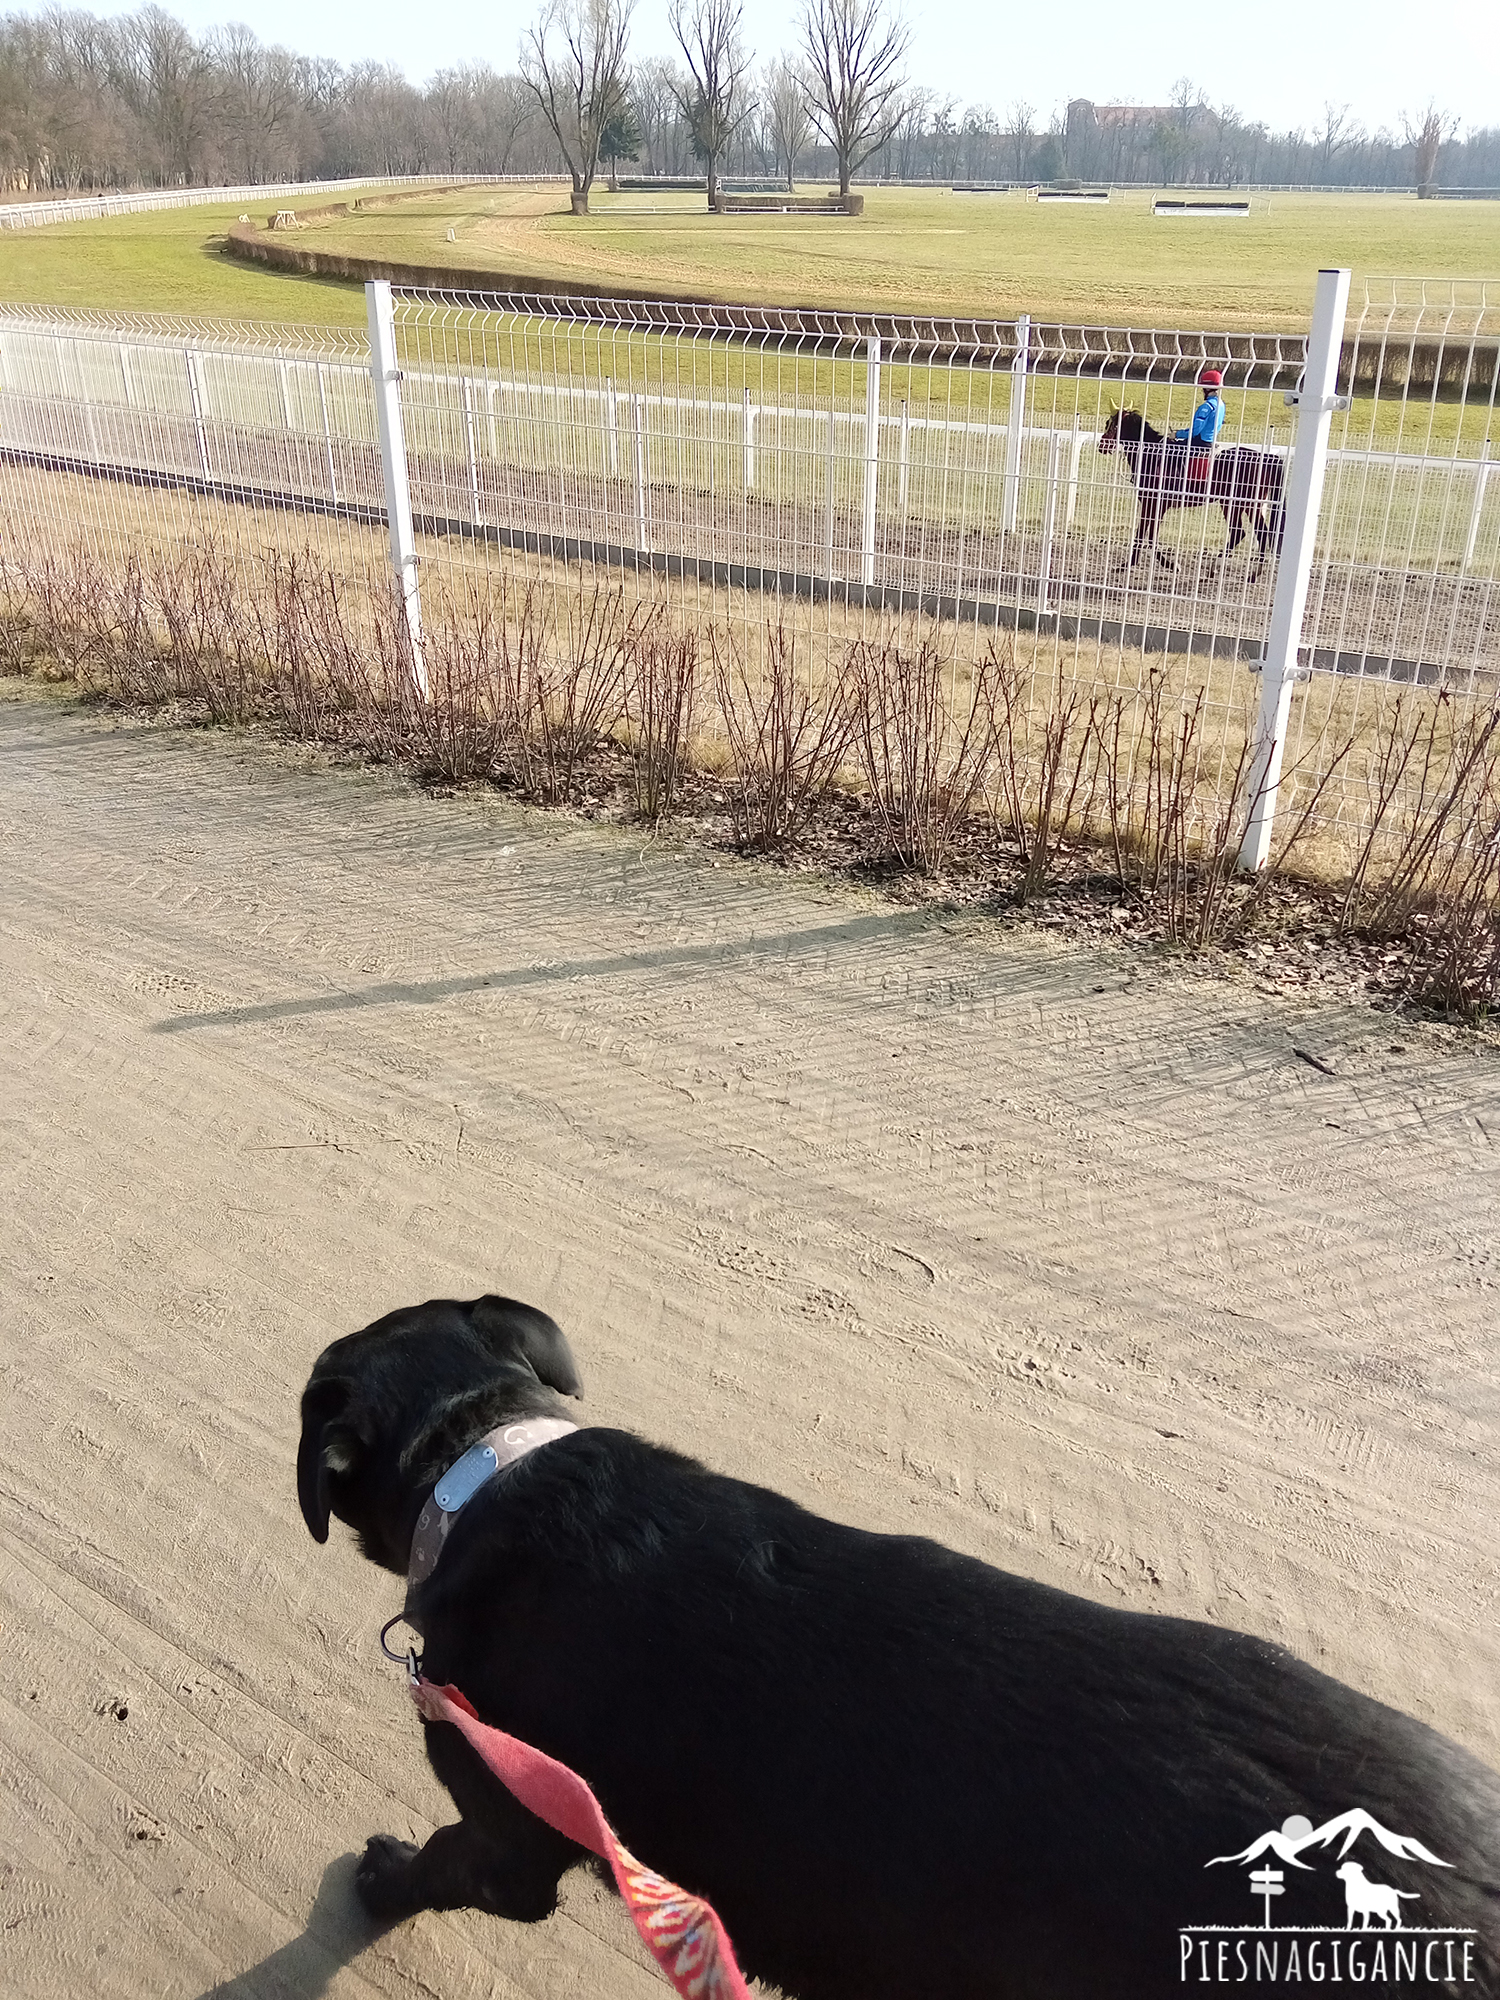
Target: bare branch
854,52
573,61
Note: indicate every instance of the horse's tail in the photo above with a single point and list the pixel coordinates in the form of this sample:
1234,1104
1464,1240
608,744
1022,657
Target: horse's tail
1276,494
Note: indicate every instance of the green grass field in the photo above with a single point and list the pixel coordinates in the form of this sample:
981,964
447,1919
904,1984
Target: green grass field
990,255
922,250
170,260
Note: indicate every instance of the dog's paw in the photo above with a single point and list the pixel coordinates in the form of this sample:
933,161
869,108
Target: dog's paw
383,1878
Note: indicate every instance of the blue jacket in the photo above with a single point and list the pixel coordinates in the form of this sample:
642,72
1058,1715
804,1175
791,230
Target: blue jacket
1208,421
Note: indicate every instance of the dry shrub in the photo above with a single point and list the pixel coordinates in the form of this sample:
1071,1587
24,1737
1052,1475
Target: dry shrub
1455,945
1044,794
659,690
1435,822
322,675
566,707
787,743
531,698
1433,781
61,592
509,695
924,762
215,637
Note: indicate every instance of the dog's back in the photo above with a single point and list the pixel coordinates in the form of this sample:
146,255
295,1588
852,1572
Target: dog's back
896,1770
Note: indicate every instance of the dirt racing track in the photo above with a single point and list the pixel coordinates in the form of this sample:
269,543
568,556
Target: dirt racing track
1070,1261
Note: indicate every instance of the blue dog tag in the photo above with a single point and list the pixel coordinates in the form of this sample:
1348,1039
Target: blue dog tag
463,1480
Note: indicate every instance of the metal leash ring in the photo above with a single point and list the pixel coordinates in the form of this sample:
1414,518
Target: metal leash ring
409,1659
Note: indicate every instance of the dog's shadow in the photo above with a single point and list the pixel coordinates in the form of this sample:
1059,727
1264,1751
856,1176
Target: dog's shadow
338,1930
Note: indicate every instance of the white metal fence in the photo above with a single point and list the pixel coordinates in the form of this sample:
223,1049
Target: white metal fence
92,207
850,474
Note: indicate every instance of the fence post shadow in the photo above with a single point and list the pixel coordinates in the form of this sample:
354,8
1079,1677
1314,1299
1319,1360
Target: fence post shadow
338,1929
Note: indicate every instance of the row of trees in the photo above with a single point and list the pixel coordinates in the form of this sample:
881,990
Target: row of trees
87,102
845,84
1191,141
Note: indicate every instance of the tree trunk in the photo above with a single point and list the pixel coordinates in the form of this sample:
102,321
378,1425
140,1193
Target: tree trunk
580,201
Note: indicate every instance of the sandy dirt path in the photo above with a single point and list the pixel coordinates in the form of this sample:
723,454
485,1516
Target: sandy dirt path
1071,1263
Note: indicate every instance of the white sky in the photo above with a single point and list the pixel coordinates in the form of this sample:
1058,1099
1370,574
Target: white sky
1275,60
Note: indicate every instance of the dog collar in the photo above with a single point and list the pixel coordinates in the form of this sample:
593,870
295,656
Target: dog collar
495,1450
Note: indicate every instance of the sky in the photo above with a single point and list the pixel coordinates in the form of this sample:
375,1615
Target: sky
1279,61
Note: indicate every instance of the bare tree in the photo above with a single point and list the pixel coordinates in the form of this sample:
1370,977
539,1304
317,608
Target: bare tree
1334,134
1021,131
656,91
1425,135
573,58
262,103
167,82
908,132
854,50
715,100
450,102
789,123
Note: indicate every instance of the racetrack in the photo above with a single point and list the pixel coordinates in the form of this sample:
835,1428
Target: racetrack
1066,1259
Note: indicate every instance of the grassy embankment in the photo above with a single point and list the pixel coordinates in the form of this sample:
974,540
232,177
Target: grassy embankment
913,250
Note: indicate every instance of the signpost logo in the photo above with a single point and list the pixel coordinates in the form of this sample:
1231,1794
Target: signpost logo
1381,1938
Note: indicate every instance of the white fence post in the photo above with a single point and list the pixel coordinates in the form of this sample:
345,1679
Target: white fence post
386,376
90,426
638,421
1059,444
828,513
903,465
872,453
1481,481
1076,444
195,400
1316,402
466,396
749,437
1010,499
333,477
611,428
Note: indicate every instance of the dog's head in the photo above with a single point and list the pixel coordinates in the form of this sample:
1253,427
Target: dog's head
389,1407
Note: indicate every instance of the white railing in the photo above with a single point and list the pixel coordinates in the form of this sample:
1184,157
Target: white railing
812,465
93,207
74,378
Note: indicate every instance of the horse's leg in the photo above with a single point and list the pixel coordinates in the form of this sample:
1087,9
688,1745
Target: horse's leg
1144,519
1162,555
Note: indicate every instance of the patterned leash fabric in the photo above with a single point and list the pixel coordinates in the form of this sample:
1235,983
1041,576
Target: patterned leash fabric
682,1932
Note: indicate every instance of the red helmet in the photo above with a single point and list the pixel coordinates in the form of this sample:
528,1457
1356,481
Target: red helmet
1211,378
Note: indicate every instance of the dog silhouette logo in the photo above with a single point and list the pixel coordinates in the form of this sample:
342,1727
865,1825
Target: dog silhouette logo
1365,1899
1305,1942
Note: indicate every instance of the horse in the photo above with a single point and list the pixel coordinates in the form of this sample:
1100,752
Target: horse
1246,484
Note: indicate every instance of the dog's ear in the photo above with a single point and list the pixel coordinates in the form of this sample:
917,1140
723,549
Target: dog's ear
331,1443
515,1332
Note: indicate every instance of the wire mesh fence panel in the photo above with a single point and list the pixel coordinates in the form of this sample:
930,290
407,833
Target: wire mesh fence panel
192,503
838,481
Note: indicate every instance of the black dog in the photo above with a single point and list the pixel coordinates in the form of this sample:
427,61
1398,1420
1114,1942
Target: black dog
897,1773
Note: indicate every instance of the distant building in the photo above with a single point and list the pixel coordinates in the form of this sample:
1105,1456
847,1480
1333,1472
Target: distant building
1085,118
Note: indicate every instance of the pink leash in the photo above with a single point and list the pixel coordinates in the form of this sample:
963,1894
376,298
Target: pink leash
682,1932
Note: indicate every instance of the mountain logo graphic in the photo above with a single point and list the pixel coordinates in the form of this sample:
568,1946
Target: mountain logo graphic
1382,1935
1288,1840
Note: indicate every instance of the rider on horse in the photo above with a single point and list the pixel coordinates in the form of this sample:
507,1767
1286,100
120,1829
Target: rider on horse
1203,433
